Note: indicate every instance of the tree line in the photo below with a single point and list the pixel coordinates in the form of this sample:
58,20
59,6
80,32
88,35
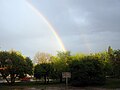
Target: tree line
86,69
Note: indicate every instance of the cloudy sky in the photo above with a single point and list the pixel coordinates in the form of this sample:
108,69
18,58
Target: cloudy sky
85,26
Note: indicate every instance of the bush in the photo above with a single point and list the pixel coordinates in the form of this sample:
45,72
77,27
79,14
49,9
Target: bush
88,71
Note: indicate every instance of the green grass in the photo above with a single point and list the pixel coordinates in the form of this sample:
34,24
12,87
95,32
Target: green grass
35,83
28,85
110,84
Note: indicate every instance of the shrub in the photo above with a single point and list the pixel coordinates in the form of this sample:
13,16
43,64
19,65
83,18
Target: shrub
88,71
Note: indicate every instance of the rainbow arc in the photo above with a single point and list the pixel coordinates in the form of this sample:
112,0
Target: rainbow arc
48,24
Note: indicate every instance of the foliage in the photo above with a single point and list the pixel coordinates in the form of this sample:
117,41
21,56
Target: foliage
87,71
43,70
15,65
116,63
60,64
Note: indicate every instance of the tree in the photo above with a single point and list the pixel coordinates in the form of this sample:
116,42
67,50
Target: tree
43,70
87,71
78,56
59,67
29,66
60,64
110,50
42,57
64,56
116,63
15,65
105,58
4,63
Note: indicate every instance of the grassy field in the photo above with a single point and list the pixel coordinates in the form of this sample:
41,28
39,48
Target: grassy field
111,84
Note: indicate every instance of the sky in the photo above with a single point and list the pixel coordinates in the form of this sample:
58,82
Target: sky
84,26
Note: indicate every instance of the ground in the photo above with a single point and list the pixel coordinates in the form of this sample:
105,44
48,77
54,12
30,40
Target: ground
52,88
111,84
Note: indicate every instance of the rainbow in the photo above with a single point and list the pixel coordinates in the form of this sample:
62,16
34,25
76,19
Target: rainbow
48,24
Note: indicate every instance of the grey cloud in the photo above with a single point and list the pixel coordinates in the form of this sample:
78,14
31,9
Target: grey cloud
98,20
89,15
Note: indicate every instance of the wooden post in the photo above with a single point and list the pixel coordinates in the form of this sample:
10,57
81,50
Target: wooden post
66,81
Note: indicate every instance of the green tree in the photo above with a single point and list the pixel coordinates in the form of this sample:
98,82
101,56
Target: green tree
43,70
78,56
110,50
61,63
104,57
87,71
29,66
15,65
116,63
4,62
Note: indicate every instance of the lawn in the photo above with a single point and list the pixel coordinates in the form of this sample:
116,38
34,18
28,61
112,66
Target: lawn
111,84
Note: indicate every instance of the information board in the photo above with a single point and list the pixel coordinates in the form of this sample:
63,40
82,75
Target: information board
66,74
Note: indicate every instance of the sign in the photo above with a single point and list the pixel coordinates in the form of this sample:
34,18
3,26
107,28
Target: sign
66,74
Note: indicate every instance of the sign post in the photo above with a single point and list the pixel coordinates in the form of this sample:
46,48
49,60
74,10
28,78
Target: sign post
66,75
